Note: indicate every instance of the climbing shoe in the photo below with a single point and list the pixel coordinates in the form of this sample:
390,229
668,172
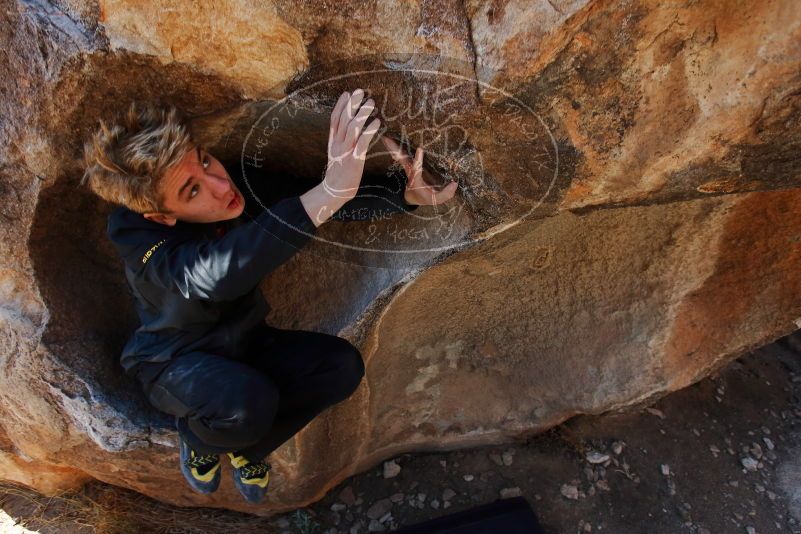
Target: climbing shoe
202,471
251,478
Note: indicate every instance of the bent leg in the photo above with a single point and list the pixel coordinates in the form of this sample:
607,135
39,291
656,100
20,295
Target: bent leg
221,404
312,371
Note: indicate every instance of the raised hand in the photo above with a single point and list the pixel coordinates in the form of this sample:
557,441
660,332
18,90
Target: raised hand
417,190
348,141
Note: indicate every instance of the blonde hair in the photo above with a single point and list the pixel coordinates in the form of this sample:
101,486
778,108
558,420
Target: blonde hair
125,162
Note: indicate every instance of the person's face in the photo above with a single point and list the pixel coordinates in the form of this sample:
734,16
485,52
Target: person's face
198,189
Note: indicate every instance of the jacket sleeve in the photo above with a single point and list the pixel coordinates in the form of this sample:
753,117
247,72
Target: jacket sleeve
229,266
375,198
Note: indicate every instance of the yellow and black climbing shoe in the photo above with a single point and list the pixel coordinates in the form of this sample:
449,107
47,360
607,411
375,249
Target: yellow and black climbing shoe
251,478
202,471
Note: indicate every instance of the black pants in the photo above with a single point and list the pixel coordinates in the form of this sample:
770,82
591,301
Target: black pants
255,402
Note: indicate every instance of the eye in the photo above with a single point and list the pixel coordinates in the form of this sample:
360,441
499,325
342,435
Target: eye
194,188
206,161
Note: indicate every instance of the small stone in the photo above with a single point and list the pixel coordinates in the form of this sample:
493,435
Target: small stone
750,530
386,517
507,458
617,447
656,412
448,494
590,473
347,496
769,443
603,485
714,449
570,491
665,469
396,497
375,526
468,478
379,508
434,504
337,507
756,451
391,469
447,504
771,495
595,457
496,458
443,463
421,497
749,463
507,493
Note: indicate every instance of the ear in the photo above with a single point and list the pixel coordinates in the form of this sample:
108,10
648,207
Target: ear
160,218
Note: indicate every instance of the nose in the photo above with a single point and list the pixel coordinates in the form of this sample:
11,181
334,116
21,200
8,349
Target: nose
221,187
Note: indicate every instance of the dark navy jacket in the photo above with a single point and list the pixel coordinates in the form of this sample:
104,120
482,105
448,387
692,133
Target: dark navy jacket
195,289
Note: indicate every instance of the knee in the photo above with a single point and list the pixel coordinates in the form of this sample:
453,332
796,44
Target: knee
249,414
256,404
351,370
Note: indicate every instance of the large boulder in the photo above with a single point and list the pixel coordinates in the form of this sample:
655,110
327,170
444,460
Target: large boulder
628,218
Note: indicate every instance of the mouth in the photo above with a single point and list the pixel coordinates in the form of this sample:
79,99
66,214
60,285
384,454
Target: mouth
234,202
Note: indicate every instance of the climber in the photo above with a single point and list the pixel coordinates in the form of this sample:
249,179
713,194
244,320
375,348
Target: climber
203,353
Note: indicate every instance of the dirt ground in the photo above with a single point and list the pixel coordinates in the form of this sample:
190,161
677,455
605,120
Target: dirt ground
723,455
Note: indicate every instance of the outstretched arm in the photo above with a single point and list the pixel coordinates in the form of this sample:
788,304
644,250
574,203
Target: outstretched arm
348,142
229,266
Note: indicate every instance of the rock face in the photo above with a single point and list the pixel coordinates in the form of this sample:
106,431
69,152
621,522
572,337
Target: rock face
628,218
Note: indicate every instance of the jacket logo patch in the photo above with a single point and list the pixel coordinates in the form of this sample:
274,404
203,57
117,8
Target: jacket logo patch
151,251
